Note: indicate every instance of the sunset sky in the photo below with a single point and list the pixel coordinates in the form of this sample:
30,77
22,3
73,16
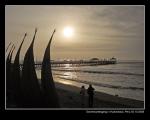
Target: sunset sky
98,31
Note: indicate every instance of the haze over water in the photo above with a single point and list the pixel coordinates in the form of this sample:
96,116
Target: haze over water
125,79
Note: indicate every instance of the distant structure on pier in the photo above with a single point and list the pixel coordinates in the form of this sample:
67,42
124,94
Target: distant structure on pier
94,59
113,59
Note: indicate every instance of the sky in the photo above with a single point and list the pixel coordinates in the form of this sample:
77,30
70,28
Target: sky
99,31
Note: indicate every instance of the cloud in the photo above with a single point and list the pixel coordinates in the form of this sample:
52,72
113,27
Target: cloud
97,27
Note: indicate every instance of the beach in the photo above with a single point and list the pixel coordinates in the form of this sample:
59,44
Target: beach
69,97
48,58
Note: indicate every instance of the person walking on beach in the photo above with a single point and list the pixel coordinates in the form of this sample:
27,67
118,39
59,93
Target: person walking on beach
82,93
90,92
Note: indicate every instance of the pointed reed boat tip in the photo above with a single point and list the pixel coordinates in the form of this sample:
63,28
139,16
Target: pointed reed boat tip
36,29
8,46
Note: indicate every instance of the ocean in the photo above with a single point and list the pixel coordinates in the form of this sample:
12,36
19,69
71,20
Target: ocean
125,79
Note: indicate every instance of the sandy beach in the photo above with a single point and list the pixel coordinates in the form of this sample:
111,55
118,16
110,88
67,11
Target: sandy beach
70,98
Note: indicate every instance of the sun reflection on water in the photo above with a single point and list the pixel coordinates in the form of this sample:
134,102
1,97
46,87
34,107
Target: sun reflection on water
69,75
66,82
67,66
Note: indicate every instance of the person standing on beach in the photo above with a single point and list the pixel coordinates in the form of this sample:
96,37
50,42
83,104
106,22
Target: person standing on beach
82,93
90,92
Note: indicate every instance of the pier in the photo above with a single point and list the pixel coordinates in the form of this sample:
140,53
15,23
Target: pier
63,63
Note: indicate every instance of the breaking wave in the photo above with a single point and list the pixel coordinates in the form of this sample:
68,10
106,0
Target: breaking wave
99,72
101,84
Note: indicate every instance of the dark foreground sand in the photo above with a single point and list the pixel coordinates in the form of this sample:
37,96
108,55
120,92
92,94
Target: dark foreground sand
70,98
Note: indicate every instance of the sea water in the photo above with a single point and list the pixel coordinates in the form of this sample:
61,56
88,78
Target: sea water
125,79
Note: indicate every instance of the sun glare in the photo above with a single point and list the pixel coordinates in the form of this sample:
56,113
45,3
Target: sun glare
68,32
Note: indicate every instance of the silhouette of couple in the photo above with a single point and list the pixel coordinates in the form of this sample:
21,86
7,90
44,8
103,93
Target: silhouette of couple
90,92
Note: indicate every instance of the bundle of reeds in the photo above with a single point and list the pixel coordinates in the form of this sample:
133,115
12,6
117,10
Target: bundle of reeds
23,85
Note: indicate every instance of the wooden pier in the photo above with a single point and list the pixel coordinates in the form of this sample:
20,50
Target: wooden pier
66,63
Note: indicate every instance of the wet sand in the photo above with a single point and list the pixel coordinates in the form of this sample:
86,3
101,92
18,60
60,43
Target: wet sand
69,97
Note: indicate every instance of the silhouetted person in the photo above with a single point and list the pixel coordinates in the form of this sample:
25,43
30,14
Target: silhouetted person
82,93
90,92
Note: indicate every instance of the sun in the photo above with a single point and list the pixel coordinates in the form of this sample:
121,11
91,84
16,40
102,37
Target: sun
68,32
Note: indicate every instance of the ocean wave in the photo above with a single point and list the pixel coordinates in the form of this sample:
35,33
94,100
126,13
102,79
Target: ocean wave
99,72
102,84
